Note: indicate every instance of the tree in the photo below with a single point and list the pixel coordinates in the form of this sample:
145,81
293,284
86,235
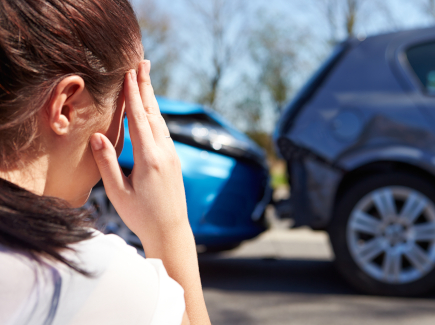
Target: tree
428,7
218,36
160,43
348,18
276,52
346,12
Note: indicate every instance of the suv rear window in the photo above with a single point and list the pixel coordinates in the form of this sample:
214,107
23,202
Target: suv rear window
422,60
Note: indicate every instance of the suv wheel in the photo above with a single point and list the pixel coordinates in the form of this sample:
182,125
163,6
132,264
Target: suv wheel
383,235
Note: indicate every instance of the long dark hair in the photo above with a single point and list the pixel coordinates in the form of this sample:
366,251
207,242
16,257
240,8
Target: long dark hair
42,42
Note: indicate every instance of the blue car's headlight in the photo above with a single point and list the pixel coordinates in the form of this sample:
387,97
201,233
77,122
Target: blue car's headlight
200,130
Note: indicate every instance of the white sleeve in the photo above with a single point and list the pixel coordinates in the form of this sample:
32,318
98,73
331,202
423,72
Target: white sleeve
170,304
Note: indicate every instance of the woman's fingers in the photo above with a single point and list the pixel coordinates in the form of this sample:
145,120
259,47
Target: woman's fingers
149,101
146,89
140,131
105,156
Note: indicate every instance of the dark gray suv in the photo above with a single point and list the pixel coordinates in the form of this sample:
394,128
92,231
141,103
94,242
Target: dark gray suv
359,141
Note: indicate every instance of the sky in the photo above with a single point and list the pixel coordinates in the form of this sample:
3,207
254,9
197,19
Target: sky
379,16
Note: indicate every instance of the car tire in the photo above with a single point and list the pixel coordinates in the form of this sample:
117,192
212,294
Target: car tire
383,235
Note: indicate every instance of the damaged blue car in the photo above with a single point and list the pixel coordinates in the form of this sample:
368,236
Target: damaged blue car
359,141
225,175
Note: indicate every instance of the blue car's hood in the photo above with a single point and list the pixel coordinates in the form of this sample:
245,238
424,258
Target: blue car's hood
172,107
168,106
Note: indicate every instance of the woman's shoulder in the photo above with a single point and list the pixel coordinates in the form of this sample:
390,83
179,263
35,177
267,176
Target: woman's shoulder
129,283
123,286
106,252
100,247
17,281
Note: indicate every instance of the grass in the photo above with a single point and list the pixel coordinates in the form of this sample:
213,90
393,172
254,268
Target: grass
278,174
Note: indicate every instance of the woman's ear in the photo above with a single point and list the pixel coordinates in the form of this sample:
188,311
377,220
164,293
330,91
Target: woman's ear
66,97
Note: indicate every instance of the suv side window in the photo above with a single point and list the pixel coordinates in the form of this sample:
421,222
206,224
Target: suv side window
422,60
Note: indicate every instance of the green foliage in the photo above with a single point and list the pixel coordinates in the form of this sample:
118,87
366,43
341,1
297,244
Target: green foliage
279,178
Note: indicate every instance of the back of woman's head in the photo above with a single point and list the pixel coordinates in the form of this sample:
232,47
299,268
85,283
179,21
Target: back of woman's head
41,43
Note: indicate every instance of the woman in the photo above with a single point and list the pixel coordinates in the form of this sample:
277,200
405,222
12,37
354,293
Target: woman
69,72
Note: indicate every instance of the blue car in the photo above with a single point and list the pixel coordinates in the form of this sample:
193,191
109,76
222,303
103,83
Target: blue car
225,175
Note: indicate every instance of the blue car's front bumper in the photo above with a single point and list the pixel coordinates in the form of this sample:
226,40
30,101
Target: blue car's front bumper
226,196
222,194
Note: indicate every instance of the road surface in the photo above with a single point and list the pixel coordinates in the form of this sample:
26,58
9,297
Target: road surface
288,277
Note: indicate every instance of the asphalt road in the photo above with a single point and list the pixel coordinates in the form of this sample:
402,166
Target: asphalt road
288,277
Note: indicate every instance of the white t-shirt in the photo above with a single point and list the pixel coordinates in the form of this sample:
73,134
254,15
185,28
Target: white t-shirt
124,288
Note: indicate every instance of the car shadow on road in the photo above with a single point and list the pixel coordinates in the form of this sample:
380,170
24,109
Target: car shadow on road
274,275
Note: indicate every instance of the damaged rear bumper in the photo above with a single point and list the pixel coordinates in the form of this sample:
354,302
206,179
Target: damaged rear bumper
313,183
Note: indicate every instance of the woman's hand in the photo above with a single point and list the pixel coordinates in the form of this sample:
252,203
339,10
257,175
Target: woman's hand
151,201
152,198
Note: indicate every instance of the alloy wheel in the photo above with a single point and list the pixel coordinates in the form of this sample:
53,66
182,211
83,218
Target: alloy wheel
391,234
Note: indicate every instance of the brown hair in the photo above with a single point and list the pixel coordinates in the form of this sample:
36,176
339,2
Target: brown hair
42,42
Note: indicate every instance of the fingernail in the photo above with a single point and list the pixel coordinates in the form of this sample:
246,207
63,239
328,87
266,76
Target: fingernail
147,64
133,74
96,142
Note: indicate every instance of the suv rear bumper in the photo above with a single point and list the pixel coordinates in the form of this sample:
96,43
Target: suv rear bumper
313,183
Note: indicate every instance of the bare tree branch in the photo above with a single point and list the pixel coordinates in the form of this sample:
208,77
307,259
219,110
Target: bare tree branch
159,43
222,24
345,17
428,7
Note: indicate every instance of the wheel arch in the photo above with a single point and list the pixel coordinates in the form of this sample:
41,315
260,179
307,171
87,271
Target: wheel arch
379,167
383,160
